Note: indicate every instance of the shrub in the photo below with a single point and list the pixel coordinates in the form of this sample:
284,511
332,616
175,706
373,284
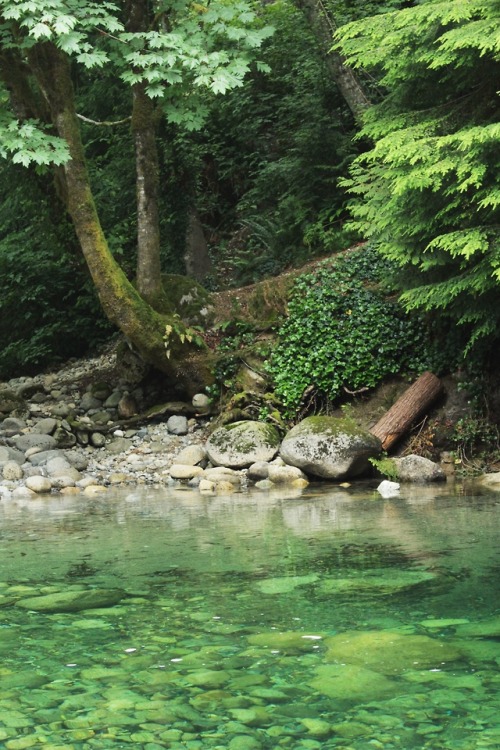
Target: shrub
343,332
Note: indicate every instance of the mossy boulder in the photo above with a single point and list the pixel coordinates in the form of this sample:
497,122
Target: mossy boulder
389,652
330,447
353,684
241,444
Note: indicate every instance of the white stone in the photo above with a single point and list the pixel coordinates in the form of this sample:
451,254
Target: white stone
183,471
40,485
206,485
201,401
94,489
388,489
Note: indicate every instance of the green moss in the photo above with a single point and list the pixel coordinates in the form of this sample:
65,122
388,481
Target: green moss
188,298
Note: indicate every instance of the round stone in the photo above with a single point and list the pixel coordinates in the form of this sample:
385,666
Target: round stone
40,485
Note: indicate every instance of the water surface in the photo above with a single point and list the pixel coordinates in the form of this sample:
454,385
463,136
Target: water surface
327,619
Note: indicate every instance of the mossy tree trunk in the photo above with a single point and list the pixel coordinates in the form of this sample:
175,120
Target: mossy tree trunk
144,129
348,83
123,305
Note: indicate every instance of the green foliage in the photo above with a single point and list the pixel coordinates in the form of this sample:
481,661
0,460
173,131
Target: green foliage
191,48
272,153
427,192
48,310
343,332
386,467
476,443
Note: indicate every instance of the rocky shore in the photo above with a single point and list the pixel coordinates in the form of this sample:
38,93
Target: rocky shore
72,431
85,429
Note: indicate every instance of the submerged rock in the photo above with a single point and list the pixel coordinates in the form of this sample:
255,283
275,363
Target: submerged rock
389,652
330,448
289,641
285,584
381,583
348,682
73,601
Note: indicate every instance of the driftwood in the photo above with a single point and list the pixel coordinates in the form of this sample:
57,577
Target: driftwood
413,403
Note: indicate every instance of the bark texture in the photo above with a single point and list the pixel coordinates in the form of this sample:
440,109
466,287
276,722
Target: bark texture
413,403
144,129
349,85
121,302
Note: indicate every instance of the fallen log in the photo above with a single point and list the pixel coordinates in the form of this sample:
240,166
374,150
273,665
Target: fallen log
414,402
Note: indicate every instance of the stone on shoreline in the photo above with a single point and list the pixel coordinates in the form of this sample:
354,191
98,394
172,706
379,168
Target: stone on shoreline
329,448
241,444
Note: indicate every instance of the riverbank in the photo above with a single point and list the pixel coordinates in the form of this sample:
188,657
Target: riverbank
91,426
82,428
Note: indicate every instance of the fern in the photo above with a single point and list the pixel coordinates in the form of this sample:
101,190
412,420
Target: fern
427,192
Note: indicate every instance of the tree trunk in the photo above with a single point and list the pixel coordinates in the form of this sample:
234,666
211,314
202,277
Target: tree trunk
344,76
414,402
144,127
196,257
148,274
122,304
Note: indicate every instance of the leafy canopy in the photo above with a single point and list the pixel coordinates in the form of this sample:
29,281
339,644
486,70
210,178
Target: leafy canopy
190,47
428,190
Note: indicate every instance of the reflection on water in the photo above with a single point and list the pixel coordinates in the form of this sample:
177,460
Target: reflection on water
325,619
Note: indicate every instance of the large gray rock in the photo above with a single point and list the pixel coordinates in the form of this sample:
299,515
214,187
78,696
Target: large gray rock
13,425
46,426
329,448
10,454
35,440
41,458
418,469
242,444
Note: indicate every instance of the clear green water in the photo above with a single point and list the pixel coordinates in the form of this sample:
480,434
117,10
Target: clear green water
331,619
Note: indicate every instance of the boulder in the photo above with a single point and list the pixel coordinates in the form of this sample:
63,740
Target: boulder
418,469
241,444
352,683
46,426
389,652
284,474
38,484
13,425
127,406
183,471
491,480
12,471
10,454
329,447
35,440
191,455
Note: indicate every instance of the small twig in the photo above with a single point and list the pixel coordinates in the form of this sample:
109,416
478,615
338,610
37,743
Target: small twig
355,393
107,123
